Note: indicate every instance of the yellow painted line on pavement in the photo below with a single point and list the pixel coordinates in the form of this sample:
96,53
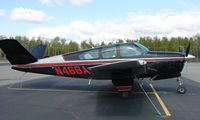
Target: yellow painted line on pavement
57,90
168,114
80,91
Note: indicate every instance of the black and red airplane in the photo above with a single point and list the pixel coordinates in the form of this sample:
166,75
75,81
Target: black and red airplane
122,63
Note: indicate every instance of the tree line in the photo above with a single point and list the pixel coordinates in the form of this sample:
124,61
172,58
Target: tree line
58,45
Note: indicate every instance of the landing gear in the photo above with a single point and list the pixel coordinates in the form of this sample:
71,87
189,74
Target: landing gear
180,89
123,82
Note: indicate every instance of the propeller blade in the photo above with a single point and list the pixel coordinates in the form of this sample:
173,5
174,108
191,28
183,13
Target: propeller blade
187,50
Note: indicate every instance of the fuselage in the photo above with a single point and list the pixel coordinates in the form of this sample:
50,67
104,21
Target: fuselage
159,65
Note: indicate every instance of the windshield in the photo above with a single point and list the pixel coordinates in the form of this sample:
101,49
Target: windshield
128,50
142,47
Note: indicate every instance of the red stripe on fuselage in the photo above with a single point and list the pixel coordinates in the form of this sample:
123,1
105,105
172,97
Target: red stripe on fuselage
93,62
72,63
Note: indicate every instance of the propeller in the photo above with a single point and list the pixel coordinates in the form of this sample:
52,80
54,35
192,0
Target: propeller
186,54
188,57
187,50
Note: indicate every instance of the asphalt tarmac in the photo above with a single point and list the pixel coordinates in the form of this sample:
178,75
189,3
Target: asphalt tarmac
44,97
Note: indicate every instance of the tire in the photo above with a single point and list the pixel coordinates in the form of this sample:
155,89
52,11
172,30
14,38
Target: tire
181,90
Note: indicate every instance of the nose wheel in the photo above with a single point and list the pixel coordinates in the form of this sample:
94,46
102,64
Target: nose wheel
180,89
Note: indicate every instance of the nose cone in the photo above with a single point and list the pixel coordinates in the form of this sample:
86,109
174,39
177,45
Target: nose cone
190,57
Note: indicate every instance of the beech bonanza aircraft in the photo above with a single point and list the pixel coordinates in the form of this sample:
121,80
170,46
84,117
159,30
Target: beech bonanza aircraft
122,63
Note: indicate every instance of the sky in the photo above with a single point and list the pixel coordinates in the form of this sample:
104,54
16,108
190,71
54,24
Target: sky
99,20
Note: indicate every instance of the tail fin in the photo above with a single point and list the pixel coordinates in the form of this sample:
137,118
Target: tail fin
15,52
38,51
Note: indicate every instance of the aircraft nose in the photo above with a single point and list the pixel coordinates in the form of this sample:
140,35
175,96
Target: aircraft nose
190,57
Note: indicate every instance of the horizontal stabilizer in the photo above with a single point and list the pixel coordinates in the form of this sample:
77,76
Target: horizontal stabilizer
15,52
38,51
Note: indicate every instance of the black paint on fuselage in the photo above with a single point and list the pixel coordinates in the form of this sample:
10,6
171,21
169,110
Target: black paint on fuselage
162,68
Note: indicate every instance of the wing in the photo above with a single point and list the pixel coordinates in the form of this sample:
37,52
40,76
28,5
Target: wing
105,70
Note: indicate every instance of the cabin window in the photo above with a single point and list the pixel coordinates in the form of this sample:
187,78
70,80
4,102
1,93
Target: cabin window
91,54
109,52
73,56
129,51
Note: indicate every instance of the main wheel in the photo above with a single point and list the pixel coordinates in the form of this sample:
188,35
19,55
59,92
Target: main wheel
181,90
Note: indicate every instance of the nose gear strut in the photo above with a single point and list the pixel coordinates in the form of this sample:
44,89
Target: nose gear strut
180,89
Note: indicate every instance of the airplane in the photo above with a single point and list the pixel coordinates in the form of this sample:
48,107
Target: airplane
121,63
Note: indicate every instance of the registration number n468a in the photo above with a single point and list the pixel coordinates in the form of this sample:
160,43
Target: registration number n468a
71,70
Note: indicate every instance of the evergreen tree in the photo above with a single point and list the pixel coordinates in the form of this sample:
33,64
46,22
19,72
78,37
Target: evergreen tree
85,45
60,46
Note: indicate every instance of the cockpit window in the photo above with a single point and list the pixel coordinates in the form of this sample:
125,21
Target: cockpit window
109,52
129,50
92,54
